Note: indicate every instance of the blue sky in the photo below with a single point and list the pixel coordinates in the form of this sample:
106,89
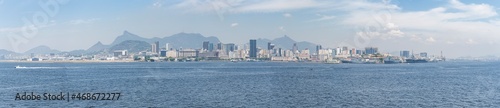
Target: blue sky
456,27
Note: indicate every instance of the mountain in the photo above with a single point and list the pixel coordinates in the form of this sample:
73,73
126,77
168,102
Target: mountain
184,40
97,47
132,46
6,52
41,50
76,52
188,40
128,36
286,42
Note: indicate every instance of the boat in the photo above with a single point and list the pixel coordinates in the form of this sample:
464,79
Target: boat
332,61
416,61
17,67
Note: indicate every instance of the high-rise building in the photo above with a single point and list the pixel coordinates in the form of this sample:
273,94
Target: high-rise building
295,48
153,48
157,47
205,45
229,47
210,47
253,48
269,46
423,54
338,51
353,51
167,47
404,54
280,52
371,50
163,53
318,47
345,50
219,46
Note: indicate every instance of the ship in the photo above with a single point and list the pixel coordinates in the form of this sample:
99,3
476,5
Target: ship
417,60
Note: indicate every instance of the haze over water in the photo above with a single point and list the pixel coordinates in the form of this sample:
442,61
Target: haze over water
258,84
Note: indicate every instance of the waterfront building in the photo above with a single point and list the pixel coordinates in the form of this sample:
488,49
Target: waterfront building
172,53
205,45
153,48
219,46
318,47
163,53
405,54
295,48
304,54
157,43
423,54
338,51
211,47
188,53
345,50
229,48
120,53
253,48
371,50
167,47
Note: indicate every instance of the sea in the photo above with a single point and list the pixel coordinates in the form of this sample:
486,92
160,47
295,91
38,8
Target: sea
256,84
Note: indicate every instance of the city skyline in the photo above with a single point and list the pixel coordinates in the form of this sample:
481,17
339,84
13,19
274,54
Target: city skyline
457,27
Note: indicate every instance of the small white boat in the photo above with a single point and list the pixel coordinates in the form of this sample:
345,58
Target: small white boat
17,67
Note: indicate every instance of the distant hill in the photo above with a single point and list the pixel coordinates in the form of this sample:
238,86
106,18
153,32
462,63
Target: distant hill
6,52
97,47
132,46
135,43
42,50
185,40
286,42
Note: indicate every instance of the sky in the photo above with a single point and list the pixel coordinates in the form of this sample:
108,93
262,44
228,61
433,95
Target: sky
455,27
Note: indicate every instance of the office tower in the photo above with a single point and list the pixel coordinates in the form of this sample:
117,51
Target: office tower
210,47
229,47
153,48
295,48
157,43
353,51
253,48
423,54
205,45
371,50
163,53
219,46
269,46
345,50
167,47
404,54
338,51
318,47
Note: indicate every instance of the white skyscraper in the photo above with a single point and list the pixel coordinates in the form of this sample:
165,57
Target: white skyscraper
166,47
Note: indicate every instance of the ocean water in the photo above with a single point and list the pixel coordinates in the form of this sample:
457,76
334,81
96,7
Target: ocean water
257,84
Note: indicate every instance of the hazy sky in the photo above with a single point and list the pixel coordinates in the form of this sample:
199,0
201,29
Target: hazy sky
456,27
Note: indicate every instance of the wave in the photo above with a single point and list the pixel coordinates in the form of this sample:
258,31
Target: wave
22,67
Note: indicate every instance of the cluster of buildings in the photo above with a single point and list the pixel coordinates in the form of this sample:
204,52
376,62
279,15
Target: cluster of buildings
249,52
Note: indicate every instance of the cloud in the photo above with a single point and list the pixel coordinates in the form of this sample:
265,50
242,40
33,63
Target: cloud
278,5
323,17
83,21
430,39
243,6
470,41
282,28
287,15
234,24
158,4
